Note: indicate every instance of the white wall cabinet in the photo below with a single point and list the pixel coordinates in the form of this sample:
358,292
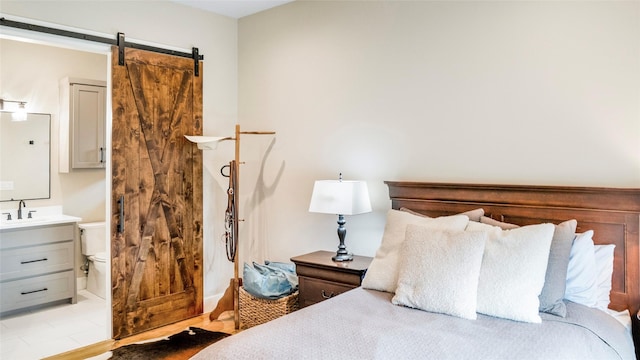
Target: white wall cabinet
82,124
37,266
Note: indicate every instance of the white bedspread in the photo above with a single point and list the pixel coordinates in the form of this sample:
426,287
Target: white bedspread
363,324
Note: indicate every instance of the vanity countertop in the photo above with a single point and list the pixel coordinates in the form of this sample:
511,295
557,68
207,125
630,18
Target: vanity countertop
42,216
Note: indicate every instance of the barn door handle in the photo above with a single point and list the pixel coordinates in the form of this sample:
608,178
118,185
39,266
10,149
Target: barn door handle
121,217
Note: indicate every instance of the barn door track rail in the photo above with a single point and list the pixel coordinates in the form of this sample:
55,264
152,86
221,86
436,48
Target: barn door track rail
119,41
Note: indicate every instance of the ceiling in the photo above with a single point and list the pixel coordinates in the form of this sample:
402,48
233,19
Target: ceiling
233,8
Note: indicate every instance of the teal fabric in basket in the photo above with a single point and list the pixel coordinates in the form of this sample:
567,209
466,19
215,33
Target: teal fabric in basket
272,280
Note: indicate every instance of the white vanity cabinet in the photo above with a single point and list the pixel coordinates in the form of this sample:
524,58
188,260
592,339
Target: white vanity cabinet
37,265
82,124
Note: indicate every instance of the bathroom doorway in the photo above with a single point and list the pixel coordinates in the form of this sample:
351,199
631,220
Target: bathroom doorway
102,191
32,66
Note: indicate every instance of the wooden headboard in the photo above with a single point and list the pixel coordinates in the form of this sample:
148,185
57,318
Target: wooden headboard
613,214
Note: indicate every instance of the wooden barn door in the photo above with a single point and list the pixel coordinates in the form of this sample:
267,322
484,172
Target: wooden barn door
156,235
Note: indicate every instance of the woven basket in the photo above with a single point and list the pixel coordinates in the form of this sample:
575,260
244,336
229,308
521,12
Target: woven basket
255,311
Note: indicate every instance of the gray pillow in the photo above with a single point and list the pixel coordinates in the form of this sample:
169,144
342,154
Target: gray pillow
555,280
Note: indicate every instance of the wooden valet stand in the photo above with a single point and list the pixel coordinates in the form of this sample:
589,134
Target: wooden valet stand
231,298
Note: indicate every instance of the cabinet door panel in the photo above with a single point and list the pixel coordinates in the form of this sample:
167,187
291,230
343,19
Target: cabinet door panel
88,126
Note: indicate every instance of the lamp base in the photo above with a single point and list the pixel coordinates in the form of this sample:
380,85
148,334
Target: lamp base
342,254
342,257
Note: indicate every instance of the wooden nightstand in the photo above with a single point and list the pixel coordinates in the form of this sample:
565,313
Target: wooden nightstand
321,278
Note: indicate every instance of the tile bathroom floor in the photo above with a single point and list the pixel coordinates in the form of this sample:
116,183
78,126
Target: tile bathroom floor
52,330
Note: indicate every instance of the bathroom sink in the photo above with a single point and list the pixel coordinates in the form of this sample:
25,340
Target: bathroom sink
36,221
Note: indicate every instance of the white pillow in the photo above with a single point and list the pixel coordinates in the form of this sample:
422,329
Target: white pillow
439,271
383,272
581,271
513,270
604,271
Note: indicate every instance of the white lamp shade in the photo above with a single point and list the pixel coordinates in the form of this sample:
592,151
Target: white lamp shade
340,197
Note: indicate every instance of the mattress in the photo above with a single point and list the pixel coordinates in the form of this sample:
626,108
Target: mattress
364,324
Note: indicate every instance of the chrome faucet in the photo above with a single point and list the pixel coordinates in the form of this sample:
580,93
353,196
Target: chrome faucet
21,204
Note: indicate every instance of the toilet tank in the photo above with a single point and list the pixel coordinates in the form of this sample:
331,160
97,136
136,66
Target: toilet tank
92,238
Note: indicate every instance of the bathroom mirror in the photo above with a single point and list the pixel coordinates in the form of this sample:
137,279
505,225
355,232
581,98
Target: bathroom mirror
25,148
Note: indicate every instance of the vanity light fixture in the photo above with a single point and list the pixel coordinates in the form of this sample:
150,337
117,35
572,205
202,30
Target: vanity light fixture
20,112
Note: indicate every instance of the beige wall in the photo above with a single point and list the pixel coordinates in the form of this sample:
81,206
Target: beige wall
482,92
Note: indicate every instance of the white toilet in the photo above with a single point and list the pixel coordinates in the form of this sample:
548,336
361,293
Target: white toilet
93,243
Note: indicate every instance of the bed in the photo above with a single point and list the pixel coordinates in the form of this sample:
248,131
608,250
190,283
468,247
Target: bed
422,316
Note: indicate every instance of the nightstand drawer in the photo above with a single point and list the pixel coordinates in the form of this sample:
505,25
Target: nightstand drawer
315,290
330,274
321,278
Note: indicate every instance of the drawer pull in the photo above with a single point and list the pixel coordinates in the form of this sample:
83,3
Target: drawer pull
34,291
32,261
324,295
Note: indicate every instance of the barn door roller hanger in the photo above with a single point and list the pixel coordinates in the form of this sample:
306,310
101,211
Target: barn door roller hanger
119,41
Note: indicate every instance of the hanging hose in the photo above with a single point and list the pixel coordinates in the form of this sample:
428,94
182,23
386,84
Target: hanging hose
230,216
85,266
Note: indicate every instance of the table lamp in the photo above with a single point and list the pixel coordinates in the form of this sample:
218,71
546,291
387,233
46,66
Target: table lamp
341,198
